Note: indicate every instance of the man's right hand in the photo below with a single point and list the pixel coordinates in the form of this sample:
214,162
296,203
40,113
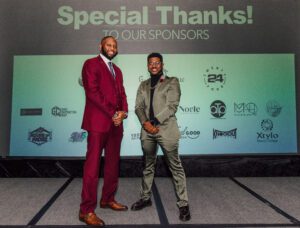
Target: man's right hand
119,117
150,128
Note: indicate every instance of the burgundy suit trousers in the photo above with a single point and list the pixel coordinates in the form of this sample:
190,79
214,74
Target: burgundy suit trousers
96,142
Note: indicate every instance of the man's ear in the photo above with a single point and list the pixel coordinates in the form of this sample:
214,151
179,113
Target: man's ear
99,47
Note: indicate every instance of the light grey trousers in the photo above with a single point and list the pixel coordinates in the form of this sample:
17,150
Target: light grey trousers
170,150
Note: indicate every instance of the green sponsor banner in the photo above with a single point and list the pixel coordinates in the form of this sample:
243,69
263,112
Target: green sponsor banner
230,103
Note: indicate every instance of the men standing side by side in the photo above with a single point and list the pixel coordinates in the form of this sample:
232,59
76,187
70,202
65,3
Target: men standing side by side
156,104
105,109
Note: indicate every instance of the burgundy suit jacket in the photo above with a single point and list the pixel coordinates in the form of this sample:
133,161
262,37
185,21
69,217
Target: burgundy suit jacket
104,95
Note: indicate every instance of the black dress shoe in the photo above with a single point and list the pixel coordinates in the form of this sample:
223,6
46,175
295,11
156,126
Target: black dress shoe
139,205
184,213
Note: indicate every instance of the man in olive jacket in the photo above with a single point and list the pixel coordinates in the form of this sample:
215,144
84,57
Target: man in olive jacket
156,104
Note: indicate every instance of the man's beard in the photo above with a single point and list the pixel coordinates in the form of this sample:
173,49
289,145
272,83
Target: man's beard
103,52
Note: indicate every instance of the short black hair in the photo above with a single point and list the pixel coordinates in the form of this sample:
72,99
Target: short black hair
155,54
106,37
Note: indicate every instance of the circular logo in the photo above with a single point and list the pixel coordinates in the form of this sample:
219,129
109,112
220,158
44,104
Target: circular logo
267,125
218,108
214,78
273,108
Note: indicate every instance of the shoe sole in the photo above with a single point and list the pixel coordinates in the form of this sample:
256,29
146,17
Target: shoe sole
108,207
82,220
185,218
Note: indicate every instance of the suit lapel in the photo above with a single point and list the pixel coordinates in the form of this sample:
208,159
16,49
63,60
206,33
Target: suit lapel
158,102
107,71
160,84
148,88
159,87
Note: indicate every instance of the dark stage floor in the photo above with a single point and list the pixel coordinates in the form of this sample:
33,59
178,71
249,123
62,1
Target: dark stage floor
214,202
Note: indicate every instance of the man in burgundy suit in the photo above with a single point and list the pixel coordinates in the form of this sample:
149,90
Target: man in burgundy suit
105,109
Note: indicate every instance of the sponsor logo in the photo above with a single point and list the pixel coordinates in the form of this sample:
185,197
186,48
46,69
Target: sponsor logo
267,125
78,136
189,109
218,109
61,112
267,134
214,78
181,80
141,78
80,81
39,136
189,134
273,108
135,136
31,111
245,109
226,134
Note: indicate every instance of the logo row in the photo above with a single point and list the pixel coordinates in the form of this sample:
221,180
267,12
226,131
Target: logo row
218,109
55,111
41,135
266,134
